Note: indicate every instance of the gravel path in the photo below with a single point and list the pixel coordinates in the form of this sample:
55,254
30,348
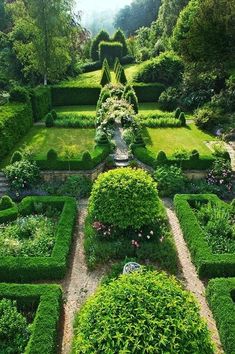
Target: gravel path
192,282
79,284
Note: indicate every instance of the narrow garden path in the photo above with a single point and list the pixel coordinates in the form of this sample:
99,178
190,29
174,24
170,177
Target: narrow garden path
79,283
192,282
121,155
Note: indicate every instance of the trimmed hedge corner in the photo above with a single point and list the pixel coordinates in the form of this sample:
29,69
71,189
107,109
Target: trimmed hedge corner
27,269
41,102
48,300
221,296
208,264
148,92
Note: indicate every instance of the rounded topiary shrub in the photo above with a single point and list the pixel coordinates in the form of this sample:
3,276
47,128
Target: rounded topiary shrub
6,203
52,155
182,119
19,94
161,158
49,120
54,114
142,312
125,198
17,156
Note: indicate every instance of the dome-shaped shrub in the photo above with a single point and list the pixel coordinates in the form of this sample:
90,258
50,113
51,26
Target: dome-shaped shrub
6,203
143,312
17,156
125,198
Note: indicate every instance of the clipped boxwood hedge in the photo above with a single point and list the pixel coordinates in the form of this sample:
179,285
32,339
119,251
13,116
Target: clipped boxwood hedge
97,156
146,156
148,92
221,296
208,265
27,269
70,96
48,299
15,121
41,102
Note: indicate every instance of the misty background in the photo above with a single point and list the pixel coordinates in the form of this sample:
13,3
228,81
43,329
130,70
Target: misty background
99,14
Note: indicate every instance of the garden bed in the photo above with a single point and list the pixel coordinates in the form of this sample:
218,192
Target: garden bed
221,298
209,264
53,265
45,300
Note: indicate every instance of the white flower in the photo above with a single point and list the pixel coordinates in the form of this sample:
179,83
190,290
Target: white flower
151,232
148,237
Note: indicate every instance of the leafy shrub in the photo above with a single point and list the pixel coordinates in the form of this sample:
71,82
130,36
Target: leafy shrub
128,136
86,158
94,50
221,174
41,102
17,156
132,196
6,202
22,174
169,99
49,120
170,180
54,114
119,36
52,155
19,94
69,95
14,330
106,76
166,318
207,118
131,97
110,51
177,112
194,155
76,186
148,92
167,69
121,77
75,120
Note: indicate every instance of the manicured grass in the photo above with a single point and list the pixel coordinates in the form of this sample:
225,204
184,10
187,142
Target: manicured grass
80,110
40,140
154,108
172,139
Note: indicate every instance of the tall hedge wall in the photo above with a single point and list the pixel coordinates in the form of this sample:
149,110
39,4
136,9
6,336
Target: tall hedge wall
221,296
69,96
209,265
15,121
41,102
148,92
48,299
27,269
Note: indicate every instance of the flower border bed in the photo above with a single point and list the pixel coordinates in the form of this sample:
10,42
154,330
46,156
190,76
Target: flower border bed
219,295
27,269
208,265
44,337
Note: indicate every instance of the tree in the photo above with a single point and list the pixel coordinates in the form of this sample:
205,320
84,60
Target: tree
94,51
205,31
139,13
41,35
119,36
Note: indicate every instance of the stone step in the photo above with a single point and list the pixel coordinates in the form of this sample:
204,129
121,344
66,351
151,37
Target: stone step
122,164
120,158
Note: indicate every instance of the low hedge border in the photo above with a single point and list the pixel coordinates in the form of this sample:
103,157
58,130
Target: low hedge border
27,269
44,337
146,156
148,92
97,156
208,265
221,296
70,96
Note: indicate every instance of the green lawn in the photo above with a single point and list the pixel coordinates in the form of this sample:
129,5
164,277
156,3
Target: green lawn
93,78
172,139
80,110
40,140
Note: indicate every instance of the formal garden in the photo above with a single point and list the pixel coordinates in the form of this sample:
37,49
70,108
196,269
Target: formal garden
117,177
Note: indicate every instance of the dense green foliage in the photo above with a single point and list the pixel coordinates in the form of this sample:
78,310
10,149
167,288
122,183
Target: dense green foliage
132,196
119,36
170,179
34,268
14,332
209,265
110,51
15,122
166,318
41,102
6,202
139,13
148,92
94,51
69,96
46,301
220,295
166,69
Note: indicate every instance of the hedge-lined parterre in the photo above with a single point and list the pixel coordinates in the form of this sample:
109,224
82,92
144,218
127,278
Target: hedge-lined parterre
26,269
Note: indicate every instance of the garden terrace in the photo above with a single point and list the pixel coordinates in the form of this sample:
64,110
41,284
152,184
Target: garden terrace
26,269
47,300
221,298
209,264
